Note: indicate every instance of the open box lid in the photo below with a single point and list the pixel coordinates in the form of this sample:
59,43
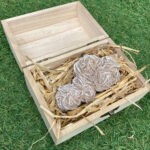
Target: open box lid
51,32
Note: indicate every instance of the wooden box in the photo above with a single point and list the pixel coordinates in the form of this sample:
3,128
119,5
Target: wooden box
50,37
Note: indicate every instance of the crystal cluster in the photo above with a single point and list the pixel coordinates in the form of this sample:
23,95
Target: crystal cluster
92,74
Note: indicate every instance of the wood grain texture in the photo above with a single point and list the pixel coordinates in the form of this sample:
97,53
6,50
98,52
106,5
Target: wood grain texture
54,44
51,32
41,33
13,45
43,18
55,61
89,23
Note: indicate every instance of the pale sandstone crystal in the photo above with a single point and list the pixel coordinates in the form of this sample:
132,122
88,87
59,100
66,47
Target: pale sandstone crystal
107,74
68,97
86,66
87,88
91,74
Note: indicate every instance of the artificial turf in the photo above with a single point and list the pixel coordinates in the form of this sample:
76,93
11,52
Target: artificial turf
128,23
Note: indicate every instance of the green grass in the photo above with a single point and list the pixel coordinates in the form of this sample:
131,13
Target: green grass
128,23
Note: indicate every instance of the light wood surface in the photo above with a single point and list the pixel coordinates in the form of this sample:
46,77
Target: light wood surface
88,22
13,45
41,33
51,32
65,50
57,60
48,45
43,18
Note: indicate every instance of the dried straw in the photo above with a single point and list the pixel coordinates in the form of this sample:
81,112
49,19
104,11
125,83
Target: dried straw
49,80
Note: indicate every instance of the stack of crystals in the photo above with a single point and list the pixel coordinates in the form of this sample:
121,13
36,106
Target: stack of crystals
92,74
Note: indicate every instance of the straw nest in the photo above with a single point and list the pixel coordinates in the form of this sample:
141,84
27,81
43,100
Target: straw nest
49,80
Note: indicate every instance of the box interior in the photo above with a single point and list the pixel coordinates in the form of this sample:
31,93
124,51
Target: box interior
53,31
53,64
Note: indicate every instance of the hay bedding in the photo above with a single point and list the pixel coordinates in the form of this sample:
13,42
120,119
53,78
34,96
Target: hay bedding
49,81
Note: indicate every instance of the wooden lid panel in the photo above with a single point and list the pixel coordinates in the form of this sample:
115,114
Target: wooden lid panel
51,32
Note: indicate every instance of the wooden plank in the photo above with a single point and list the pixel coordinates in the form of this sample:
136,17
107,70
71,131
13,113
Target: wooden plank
54,45
89,23
57,60
43,18
40,12
47,31
65,50
13,45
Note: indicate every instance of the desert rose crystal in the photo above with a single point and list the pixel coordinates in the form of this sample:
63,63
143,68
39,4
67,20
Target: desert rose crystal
86,66
87,88
92,74
68,97
107,74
